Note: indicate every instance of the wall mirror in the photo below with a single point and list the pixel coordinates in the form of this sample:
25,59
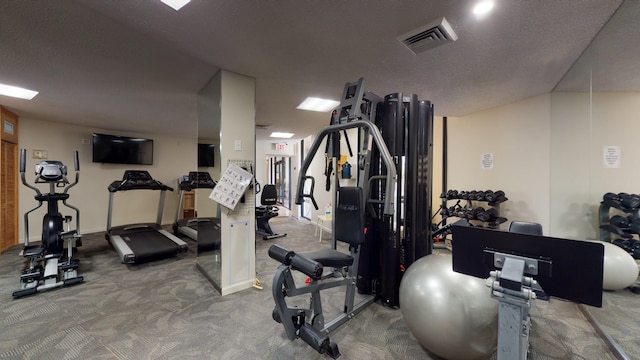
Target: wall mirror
209,259
594,149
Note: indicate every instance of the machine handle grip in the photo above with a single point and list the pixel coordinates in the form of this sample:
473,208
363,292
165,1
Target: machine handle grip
23,160
76,160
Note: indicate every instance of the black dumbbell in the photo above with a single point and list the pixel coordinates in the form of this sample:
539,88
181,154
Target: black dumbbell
480,196
619,221
487,215
629,201
610,196
496,197
472,214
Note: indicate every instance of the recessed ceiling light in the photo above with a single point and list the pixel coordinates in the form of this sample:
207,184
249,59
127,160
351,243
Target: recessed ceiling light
282,135
176,4
318,104
17,92
483,7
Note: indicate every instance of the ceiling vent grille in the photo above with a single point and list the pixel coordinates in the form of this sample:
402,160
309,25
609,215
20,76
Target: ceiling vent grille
436,33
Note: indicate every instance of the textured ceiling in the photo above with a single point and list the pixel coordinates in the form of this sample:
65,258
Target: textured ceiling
138,65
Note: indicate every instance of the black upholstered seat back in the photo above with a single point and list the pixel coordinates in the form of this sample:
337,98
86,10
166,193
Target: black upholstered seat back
348,216
269,195
523,227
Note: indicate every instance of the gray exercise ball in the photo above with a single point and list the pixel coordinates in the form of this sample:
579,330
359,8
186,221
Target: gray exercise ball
450,314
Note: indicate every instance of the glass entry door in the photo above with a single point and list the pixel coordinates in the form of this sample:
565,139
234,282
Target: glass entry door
281,177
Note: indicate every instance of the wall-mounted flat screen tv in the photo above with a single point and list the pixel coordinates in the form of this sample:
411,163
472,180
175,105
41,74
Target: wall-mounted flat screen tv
113,149
206,155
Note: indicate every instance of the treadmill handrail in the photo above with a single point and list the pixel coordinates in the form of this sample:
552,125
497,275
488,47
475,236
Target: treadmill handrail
379,141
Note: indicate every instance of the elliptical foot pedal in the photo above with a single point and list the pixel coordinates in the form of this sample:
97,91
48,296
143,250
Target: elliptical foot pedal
25,292
318,340
73,281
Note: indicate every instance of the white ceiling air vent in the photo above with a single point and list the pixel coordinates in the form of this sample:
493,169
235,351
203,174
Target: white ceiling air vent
436,33
263,126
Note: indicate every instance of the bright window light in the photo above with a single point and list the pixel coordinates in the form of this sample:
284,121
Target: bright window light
17,92
282,135
317,104
483,7
176,4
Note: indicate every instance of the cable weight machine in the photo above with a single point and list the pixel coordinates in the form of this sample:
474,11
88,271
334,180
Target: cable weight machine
384,220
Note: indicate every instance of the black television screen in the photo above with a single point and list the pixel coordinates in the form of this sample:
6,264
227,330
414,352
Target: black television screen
114,149
206,155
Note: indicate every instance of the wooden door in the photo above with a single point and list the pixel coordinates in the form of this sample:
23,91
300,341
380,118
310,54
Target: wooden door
9,180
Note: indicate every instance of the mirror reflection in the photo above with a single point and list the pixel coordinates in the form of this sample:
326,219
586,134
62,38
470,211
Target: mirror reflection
593,137
207,213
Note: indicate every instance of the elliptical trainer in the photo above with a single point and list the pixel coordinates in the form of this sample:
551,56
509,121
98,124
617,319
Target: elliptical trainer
48,268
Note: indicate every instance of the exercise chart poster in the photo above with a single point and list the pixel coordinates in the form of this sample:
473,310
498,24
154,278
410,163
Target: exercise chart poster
231,186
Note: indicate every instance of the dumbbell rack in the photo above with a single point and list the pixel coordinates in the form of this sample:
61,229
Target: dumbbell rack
624,227
472,207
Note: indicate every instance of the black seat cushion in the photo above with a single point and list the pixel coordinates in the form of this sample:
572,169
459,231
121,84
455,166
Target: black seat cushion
329,257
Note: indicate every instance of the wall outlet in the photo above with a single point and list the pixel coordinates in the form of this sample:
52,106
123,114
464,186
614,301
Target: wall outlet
237,145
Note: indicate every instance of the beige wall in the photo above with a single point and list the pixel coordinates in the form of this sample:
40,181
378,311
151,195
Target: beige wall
582,127
518,136
173,157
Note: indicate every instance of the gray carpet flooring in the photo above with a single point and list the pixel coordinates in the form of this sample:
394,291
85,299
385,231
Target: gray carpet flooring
167,310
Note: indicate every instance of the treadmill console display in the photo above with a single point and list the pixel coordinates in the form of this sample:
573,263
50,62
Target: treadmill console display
198,179
137,180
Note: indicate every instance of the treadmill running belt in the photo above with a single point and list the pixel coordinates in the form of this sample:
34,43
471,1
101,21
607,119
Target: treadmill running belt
208,235
150,245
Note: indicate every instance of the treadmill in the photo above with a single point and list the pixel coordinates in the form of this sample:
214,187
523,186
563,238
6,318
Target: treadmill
204,230
138,243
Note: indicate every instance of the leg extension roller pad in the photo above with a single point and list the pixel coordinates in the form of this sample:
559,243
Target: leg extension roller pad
319,341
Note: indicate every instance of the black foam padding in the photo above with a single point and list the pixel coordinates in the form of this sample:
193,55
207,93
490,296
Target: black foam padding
314,337
281,254
309,267
348,217
329,257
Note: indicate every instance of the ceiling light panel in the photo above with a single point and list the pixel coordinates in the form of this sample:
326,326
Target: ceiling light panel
17,92
318,104
483,7
281,135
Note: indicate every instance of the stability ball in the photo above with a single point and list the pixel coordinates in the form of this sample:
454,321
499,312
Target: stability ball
451,314
620,270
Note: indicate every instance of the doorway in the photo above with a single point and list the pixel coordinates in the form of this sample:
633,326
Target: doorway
280,175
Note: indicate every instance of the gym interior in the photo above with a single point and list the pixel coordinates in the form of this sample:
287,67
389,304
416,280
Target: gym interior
339,241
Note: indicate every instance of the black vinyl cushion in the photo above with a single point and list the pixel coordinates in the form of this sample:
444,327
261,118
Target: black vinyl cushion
329,257
348,216
523,227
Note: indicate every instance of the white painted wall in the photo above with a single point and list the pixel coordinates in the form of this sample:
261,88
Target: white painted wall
172,158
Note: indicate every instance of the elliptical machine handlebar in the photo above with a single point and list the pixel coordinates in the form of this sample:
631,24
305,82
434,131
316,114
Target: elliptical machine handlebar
76,163
23,165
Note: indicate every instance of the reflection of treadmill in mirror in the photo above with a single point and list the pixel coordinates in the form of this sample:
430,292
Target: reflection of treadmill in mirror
204,230
139,243
567,269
